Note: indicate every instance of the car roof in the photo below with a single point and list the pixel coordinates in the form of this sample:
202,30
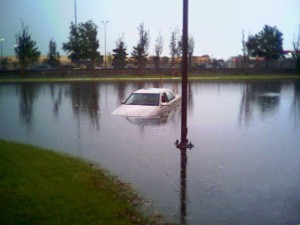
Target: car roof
152,90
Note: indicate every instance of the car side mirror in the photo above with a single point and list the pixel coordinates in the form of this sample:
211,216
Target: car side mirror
123,102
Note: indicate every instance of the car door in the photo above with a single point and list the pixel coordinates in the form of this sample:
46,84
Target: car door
168,100
171,99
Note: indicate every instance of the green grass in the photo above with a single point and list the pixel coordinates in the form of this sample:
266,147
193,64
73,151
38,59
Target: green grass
215,77
38,186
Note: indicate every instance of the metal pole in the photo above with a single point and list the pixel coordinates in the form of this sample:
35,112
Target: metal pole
104,22
183,164
75,8
184,130
1,40
76,37
183,145
105,44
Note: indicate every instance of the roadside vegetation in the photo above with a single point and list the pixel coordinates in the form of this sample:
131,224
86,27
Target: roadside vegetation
38,186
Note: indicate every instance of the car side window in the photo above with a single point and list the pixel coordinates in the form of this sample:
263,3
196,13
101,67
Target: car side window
164,98
170,96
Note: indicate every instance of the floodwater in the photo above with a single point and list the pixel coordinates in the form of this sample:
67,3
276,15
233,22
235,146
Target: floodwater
244,167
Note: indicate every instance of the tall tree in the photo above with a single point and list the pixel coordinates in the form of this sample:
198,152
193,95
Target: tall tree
179,46
296,52
158,49
191,46
88,41
267,43
140,51
120,54
53,58
72,46
173,45
83,42
26,50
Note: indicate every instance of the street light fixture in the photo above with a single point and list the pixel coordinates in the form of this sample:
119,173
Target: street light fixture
104,23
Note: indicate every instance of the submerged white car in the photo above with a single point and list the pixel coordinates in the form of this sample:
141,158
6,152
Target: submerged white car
148,103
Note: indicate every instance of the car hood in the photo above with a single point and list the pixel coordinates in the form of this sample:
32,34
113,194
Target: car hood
136,110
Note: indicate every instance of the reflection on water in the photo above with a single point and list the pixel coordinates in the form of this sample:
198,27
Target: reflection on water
162,119
296,103
56,97
85,99
183,165
166,117
264,96
243,170
28,94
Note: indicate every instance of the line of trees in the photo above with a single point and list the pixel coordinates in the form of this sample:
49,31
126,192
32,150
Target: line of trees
82,47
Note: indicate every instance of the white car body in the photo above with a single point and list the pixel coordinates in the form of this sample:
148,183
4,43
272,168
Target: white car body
148,103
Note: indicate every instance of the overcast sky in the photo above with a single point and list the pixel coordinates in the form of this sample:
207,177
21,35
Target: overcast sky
216,25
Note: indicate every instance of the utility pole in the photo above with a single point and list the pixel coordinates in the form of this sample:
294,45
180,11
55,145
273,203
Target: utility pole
184,145
76,37
1,40
75,9
104,23
184,130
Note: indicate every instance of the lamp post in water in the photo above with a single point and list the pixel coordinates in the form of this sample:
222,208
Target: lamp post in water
184,130
184,145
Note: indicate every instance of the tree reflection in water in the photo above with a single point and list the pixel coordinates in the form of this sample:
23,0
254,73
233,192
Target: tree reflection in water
85,98
28,93
296,103
57,98
264,96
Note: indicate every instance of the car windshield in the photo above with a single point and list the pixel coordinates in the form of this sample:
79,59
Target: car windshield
143,99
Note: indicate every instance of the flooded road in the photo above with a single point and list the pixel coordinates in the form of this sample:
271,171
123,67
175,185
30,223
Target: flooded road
244,168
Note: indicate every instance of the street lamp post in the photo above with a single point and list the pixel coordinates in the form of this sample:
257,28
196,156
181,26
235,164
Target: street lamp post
75,12
1,40
184,130
104,23
184,144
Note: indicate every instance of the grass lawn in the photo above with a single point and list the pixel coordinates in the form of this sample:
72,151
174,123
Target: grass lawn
39,186
215,77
